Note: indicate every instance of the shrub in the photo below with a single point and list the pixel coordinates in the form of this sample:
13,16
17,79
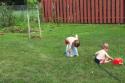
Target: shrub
6,16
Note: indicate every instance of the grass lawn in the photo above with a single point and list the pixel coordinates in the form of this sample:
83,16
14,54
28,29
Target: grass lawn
43,61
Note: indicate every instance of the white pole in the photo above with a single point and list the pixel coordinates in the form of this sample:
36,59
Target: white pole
39,21
28,20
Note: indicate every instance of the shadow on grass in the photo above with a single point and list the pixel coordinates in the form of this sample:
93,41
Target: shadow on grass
109,73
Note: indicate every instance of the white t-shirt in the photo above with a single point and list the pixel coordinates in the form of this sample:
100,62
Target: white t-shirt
101,54
71,40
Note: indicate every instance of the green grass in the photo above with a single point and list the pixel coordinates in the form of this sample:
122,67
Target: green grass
43,61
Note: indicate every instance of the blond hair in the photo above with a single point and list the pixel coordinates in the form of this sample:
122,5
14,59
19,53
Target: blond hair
105,45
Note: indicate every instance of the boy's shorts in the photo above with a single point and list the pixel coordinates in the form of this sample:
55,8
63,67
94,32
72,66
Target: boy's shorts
97,61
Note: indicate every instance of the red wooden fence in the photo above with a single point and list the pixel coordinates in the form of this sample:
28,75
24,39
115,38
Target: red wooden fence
84,11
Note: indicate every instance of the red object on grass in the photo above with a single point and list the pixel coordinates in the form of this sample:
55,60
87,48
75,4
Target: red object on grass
117,61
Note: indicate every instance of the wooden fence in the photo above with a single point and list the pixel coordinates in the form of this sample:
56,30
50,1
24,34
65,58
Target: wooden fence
84,11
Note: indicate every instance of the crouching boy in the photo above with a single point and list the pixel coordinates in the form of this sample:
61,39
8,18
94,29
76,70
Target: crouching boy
72,43
102,55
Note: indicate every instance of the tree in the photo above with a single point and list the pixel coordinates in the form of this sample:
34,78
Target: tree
14,2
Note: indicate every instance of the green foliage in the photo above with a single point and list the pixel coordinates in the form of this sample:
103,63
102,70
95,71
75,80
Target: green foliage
6,16
20,21
31,2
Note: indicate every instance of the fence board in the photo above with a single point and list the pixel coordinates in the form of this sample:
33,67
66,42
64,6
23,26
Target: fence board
105,11
89,11
109,11
70,9
65,10
122,11
100,11
57,9
93,10
43,7
117,11
97,11
61,11
113,11
81,10
49,10
85,11
45,11
77,11
74,12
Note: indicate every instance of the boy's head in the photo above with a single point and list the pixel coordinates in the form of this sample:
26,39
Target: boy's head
105,46
76,43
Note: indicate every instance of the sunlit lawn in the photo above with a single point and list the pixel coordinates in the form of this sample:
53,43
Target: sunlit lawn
43,60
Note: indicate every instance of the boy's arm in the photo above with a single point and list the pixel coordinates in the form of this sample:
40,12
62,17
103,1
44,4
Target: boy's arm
109,56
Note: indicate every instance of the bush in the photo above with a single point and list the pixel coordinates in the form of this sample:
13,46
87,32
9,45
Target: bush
6,16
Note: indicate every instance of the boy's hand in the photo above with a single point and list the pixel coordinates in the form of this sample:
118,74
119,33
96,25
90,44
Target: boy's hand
111,58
